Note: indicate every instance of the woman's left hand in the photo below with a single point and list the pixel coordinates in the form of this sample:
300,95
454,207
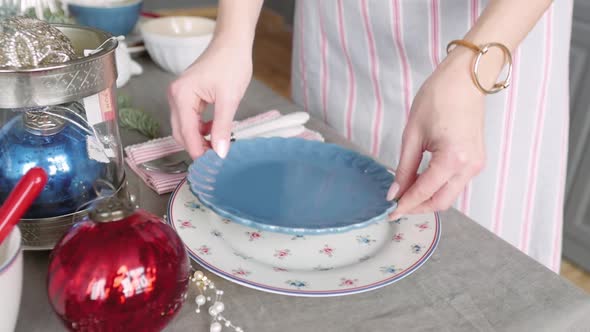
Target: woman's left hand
447,119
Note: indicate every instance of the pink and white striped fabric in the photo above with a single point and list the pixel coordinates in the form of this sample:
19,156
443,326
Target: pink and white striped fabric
359,64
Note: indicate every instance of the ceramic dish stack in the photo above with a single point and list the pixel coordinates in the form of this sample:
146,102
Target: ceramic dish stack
298,217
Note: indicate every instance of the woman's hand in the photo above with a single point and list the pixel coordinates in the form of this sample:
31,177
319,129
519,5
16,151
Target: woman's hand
447,119
448,113
219,76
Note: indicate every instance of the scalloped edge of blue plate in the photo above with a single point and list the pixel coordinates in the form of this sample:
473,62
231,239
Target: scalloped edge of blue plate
293,230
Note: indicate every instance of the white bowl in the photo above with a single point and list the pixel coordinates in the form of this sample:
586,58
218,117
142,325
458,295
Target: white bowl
11,279
174,43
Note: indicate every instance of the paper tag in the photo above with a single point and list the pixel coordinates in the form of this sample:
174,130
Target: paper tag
100,110
100,107
96,151
92,108
106,100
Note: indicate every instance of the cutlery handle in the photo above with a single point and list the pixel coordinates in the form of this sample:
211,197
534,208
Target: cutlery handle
284,132
285,121
180,161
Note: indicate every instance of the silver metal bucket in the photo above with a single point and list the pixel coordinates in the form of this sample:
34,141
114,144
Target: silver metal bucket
67,82
72,81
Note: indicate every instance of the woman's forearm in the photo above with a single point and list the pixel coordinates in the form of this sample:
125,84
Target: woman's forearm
236,21
503,21
507,21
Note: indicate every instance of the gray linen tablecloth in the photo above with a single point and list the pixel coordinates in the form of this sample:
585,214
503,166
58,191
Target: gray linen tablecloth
474,281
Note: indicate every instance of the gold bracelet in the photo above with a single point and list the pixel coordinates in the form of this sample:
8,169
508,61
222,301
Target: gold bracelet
481,51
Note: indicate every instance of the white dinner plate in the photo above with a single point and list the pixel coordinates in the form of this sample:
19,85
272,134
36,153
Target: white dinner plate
311,265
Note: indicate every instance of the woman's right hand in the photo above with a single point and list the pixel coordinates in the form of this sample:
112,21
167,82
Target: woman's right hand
219,76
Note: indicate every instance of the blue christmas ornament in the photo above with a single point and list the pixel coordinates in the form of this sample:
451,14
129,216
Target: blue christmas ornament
59,147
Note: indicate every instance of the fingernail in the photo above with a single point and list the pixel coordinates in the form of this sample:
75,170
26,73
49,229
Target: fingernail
393,191
222,148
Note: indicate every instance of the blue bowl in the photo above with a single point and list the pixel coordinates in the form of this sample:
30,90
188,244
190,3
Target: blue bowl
293,186
117,20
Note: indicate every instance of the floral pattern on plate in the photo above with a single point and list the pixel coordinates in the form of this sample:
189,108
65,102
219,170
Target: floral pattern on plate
323,265
417,248
327,250
216,233
241,272
254,235
204,250
423,226
345,282
390,269
282,253
398,237
296,283
185,224
365,240
193,205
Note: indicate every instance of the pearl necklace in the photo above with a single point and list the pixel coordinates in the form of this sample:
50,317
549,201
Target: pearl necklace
204,284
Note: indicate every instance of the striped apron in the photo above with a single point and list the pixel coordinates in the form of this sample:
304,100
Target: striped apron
358,65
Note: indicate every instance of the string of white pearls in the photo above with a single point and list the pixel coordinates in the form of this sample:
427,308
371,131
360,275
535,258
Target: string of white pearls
216,308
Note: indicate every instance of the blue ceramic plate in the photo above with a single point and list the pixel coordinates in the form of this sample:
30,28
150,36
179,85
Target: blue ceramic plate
293,186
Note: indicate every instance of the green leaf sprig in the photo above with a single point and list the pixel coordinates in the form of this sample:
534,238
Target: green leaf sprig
136,119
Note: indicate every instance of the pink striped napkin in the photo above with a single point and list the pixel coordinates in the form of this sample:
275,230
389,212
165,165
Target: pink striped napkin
164,183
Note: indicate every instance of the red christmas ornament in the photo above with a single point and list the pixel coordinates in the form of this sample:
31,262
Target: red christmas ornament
123,270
